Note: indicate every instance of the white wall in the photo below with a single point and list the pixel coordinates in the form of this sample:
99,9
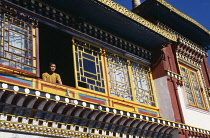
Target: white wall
163,98
193,116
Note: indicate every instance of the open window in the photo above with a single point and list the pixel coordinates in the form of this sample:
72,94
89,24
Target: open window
55,46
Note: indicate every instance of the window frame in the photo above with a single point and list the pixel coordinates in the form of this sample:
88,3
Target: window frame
201,93
134,95
128,76
30,41
105,70
75,65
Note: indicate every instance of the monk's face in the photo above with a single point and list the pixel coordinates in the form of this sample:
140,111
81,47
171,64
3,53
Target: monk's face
52,67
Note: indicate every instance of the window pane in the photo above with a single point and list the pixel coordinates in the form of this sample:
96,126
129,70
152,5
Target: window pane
118,77
17,47
188,88
142,84
196,87
192,87
89,67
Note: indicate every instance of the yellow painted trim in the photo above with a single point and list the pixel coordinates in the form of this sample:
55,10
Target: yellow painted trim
103,63
135,104
92,91
14,75
175,74
34,48
75,66
106,77
45,130
130,74
154,92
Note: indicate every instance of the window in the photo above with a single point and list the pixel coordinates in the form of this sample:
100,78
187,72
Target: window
119,79
129,79
192,87
125,78
17,44
89,66
142,84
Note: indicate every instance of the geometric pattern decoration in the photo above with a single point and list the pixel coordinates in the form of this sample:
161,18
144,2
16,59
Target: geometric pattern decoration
147,112
193,47
18,46
189,52
174,75
47,131
92,99
118,76
89,66
128,79
142,84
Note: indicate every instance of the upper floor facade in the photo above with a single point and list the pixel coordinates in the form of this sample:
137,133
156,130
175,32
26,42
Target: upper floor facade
110,59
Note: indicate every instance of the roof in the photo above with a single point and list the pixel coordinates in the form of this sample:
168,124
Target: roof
115,19
160,10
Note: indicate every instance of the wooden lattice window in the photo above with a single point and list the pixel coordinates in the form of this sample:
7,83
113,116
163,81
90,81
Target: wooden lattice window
124,78
89,69
119,79
192,87
142,84
17,44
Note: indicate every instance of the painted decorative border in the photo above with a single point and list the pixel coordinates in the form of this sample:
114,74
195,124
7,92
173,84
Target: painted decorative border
174,75
195,47
46,131
57,98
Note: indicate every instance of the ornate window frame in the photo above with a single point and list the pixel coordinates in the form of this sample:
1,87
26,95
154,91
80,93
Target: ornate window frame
18,45
86,56
121,76
194,84
143,92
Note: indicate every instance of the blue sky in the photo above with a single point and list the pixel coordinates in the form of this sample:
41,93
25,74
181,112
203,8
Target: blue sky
198,10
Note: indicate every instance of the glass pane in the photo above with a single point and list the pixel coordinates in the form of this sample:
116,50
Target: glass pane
188,88
118,77
142,84
89,71
17,40
89,66
196,87
15,34
192,87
